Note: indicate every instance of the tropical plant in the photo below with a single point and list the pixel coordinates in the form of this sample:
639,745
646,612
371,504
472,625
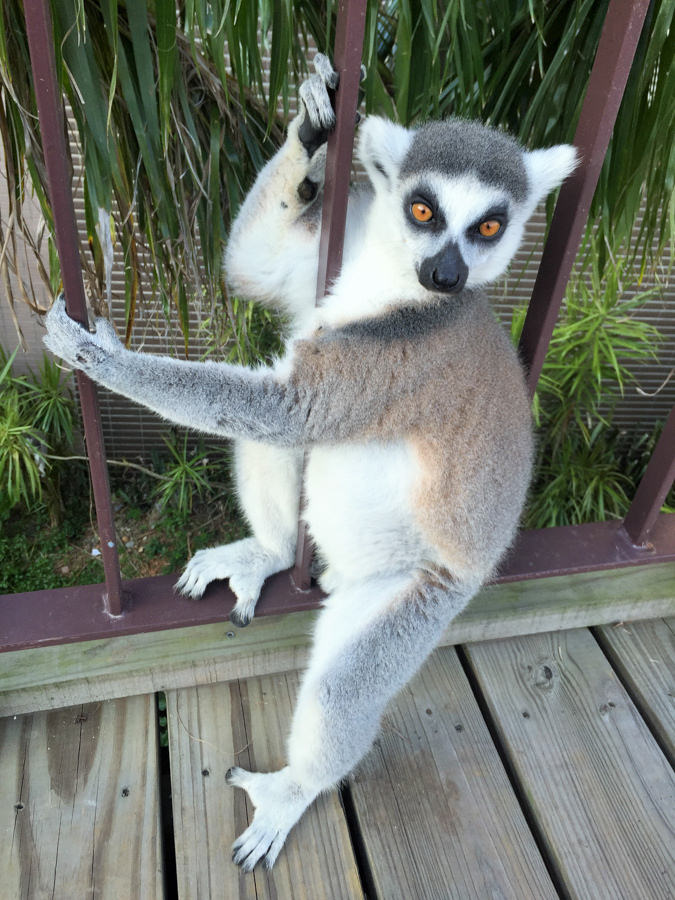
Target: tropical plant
21,456
185,476
242,332
51,402
36,422
172,129
583,470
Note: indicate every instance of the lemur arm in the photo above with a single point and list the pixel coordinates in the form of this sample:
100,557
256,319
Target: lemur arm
218,398
272,251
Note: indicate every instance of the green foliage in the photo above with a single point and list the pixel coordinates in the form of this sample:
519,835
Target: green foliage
36,420
172,138
243,332
582,480
20,446
32,546
27,561
172,530
36,553
162,720
51,401
637,452
185,476
21,455
584,471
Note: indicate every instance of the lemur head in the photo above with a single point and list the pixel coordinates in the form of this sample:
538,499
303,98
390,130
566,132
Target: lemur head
458,194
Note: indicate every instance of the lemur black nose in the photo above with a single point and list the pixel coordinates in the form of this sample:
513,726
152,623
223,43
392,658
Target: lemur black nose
445,272
444,282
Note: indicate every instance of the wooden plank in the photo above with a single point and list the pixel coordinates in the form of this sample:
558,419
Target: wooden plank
435,808
211,728
566,601
79,810
597,783
643,653
52,677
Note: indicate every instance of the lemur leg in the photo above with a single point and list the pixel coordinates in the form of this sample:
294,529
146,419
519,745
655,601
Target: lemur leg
370,640
268,485
272,255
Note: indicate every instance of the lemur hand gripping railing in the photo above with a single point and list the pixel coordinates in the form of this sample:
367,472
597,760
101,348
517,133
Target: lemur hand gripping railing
81,613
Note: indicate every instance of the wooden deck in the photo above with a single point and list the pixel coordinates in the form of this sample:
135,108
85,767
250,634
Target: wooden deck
526,767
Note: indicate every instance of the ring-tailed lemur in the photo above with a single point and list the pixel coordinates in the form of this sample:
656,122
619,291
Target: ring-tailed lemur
402,387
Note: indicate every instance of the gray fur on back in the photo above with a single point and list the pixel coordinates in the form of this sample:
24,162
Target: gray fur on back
457,146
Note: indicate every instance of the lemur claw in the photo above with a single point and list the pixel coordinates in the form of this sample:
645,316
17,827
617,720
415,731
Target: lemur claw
240,618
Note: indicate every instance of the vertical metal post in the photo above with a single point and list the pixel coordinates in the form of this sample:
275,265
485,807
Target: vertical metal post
616,50
52,128
351,18
654,487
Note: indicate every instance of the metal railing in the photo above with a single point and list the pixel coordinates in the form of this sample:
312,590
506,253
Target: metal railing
148,604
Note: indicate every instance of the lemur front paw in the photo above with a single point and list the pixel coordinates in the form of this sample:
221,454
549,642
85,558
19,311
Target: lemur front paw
317,118
245,564
76,346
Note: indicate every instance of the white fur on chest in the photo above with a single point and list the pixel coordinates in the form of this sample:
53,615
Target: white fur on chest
359,509
378,271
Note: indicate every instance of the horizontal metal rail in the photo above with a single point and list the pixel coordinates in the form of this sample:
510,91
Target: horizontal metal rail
41,618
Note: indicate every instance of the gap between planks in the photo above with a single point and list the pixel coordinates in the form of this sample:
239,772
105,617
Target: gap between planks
436,811
596,781
643,656
79,805
212,727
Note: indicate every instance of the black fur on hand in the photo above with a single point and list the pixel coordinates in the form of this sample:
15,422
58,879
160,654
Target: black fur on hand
312,137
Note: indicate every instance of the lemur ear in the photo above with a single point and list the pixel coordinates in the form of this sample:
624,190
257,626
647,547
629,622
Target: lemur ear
382,148
546,169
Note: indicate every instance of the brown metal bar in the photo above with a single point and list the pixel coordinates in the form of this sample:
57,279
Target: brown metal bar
654,487
52,128
351,18
66,615
616,50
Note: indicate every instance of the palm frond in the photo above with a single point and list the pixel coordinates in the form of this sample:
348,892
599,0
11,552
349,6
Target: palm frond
172,129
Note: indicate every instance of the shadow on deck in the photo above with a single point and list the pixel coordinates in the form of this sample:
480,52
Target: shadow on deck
528,767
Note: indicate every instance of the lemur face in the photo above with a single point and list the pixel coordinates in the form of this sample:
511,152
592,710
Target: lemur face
459,194
462,230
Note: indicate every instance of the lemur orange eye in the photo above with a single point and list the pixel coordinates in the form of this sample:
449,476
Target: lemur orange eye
421,212
490,227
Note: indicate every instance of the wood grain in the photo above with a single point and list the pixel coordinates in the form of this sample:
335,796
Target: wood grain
211,728
79,811
50,677
599,786
435,807
644,655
